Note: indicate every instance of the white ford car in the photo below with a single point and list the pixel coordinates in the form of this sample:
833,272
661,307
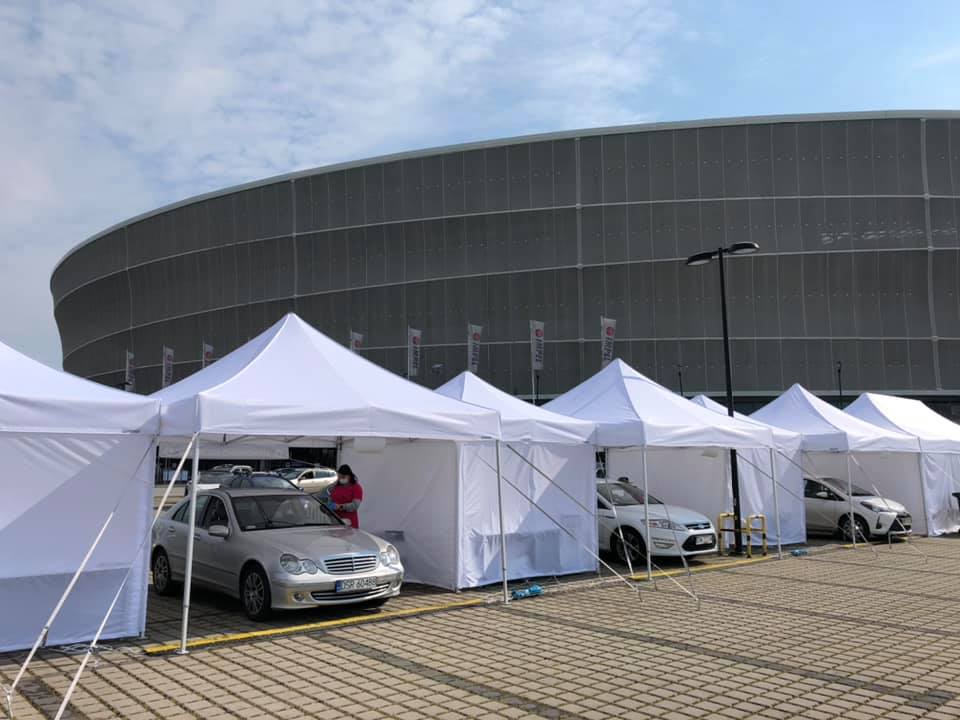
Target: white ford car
674,531
828,510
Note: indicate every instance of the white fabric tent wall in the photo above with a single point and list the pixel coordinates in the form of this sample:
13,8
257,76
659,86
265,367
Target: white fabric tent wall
437,502
694,478
940,444
756,485
71,451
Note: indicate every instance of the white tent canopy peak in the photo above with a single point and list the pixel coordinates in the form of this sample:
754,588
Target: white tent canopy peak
521,421
633,411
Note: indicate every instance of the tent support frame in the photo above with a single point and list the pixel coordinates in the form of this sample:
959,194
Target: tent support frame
44,632
188,570
93,644
503,537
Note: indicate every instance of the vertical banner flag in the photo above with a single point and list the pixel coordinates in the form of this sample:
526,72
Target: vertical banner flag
413,352
356,341
167,378
128,381
536,345
608,331
207,357
474,333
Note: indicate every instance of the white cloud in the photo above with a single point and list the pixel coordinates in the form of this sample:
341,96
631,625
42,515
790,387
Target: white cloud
113,108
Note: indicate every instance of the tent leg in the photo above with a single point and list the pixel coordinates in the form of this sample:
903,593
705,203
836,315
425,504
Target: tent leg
853,524
927,515
503,538
188,571
776,503
646,515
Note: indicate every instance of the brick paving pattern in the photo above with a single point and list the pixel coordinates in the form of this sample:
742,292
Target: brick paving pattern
839,634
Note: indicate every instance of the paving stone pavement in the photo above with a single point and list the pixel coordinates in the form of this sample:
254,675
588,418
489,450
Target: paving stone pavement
840,634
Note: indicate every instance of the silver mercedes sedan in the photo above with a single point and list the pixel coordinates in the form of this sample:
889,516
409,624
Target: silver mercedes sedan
273,549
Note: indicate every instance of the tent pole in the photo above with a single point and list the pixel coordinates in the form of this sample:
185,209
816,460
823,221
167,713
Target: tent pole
66,593
923,491
503,538
646,515
776,503
188,571
853,525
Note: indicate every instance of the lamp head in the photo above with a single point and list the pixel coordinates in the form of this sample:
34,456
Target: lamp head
701,258
743,248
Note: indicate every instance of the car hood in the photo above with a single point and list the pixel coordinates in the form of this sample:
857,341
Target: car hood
317,543
682,515
884,504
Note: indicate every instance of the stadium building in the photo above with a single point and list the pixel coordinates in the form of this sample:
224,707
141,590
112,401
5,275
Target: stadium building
855,215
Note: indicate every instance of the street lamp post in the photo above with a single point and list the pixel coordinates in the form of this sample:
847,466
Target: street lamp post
740,248
840,382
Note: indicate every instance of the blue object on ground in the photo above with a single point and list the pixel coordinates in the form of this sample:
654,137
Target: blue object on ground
800,552
532,591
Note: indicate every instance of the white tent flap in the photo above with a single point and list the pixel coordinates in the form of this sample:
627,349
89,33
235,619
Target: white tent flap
72,451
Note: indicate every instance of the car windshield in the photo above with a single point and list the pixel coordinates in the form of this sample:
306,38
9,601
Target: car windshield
265,512
621,494
842,486
290,473
269,481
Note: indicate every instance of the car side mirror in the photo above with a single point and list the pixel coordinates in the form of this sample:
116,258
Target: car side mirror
822,494
220,531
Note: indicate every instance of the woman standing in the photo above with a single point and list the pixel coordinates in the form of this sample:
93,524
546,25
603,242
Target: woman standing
346,495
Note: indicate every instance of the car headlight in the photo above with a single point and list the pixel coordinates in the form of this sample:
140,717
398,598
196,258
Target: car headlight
875,507
666,525
390,556
291,564
309,567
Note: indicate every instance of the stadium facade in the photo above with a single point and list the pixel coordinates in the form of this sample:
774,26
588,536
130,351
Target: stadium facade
856,216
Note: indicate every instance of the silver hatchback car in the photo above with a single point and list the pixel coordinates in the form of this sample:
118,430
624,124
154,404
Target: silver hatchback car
274,549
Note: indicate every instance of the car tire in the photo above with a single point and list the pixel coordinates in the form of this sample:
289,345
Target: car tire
634,541
255,593
162,575
863,530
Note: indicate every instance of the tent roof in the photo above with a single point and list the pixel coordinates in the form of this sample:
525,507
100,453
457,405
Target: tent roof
294,382
35,398
828,429
912,417
519,421
784,439
633,411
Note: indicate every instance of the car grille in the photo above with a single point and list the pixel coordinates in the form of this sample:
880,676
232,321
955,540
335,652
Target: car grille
324,595
691,543
698,526
349,564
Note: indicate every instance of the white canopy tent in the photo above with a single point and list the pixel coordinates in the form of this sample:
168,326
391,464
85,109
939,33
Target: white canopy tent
78,463
839,445
756,489
940,447
672,444
292,385
550,460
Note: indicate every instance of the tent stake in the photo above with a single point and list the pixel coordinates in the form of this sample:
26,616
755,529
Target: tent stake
188,571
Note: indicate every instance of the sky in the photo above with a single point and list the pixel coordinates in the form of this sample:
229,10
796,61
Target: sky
110,109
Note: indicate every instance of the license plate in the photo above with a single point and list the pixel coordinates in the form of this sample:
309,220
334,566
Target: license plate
355,584
703,540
